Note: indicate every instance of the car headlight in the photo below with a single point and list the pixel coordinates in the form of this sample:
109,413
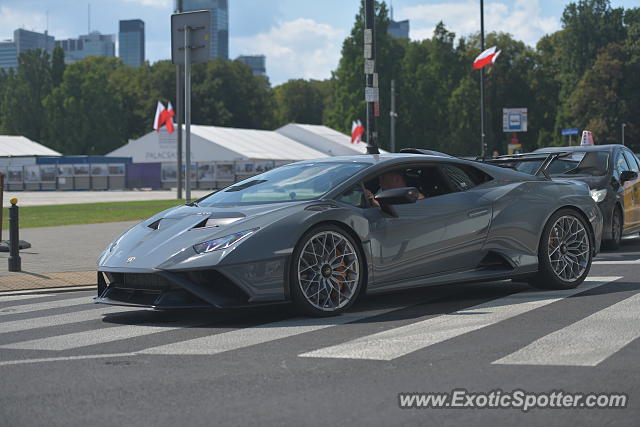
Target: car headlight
598,195
222,242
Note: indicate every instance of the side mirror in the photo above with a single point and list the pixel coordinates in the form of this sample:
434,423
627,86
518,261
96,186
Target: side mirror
627,176
396,196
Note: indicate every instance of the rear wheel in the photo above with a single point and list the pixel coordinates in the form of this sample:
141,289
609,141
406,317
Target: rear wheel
616,230
327,271
565,252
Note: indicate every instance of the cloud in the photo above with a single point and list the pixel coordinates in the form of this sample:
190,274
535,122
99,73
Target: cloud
301,48
11,19
162,4
523,19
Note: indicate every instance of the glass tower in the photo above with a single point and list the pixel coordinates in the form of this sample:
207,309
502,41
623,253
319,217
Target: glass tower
219,23
131,47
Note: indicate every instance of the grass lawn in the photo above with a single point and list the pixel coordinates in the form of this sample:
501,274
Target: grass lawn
48,216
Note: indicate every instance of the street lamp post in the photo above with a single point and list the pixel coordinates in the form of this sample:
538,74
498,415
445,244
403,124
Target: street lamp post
624,125
483,148
372,92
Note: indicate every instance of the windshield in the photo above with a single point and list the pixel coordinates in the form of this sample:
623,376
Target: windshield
298,182
579,163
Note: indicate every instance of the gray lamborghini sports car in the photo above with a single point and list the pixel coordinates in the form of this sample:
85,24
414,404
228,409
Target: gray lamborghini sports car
319,233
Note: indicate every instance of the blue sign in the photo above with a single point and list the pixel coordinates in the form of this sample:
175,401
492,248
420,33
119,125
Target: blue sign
568,132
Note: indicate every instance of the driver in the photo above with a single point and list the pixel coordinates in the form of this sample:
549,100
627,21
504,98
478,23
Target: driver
389,181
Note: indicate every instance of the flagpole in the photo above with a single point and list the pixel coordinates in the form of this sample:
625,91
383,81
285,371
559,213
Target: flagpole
483,148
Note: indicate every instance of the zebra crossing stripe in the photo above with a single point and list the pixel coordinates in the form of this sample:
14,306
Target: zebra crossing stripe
241,338
57,320
94,337
28,308
398,342
587,342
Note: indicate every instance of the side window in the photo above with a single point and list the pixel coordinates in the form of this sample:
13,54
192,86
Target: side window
619,166
632,160
354,196
429,181
460,178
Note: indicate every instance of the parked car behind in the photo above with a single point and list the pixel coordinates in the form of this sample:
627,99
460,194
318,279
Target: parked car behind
611,171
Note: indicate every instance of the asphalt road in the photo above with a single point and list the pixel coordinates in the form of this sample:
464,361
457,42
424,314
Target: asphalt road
65,361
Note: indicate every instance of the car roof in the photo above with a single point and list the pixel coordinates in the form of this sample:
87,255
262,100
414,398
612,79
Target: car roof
381,158
578,148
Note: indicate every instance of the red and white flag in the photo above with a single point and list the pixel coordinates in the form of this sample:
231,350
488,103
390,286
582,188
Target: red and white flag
158,121
488,57
164,117
169,115
357,130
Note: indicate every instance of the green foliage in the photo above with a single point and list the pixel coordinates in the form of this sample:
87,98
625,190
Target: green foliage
585,75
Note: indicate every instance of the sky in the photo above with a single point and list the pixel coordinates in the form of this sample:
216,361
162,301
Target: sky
301,38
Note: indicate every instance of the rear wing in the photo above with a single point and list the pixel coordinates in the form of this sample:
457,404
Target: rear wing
510,161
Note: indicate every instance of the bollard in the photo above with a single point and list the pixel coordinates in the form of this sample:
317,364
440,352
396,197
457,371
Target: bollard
14,237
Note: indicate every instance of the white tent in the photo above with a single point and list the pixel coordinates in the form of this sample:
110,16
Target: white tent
322,138
212,143
19,151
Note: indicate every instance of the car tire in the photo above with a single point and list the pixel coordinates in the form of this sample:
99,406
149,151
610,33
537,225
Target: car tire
327,271
616,230
565,253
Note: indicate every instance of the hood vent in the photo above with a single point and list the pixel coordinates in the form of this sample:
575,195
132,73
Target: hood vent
220,220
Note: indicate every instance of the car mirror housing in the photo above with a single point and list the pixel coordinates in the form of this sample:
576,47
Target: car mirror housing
627,176
396,196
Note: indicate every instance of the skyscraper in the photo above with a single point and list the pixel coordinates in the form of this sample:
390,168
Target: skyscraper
23,40
8,55
131,47
94,44
219,23
257,63
398,29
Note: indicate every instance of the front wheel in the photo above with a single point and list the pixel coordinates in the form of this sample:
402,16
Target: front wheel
326,271
565,253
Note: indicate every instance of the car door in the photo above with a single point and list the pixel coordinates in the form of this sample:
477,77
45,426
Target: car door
437,234
635,187
625,191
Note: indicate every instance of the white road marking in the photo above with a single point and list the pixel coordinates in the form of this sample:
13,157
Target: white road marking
11,298
241,338
58,319
50,291
616,262
28,308
94,337
64,359
587,342
398,342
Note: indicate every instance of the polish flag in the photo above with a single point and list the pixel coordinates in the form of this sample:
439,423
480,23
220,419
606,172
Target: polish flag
164,117
169,115
159,119
357,130
488,57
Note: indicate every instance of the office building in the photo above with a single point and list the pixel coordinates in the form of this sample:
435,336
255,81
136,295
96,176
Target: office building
131,42
398,29
257,63
23,41
94,44
219,23
30,40
8,55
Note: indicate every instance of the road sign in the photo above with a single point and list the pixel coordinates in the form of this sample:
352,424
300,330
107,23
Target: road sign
199,24
514,119
569,132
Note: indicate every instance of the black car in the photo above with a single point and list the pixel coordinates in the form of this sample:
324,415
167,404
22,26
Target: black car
611,171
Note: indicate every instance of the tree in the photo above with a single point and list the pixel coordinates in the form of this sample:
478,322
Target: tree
301,101
85,112
349,80
57,66
22,109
